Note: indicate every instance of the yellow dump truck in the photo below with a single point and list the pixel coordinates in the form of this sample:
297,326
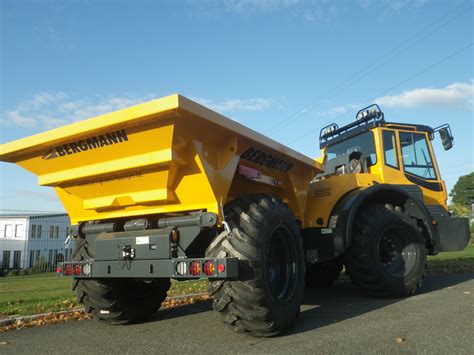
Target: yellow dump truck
170,189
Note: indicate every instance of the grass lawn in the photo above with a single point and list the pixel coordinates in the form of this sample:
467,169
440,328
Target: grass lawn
35,294
456,261
48,292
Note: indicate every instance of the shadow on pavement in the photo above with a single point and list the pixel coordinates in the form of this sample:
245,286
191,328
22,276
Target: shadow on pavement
326,306
343,301
181,311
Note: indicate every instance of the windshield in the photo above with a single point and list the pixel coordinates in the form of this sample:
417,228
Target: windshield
362,143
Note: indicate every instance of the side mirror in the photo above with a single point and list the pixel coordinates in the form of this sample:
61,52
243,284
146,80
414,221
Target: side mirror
446,137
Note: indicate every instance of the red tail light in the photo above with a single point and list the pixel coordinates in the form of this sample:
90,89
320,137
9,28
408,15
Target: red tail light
68,270
195,268
209,268
77,270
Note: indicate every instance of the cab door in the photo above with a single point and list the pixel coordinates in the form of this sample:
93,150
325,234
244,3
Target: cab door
419,166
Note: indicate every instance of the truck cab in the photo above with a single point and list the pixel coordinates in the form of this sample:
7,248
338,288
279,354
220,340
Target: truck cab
396,162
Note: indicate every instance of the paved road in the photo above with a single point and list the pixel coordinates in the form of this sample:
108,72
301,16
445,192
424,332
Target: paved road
337,320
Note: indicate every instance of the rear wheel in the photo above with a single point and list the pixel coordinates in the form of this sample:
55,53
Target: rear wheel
117,301
266,298
387,257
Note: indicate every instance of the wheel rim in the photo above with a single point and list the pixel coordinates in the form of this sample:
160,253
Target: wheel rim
281,271
397,254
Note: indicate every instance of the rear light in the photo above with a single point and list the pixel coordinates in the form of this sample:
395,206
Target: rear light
68,270
195,268
175,235
181,268
209,268
86,269
221,268
77,270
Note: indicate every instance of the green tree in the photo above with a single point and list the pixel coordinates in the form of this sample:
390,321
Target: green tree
463,191
461,211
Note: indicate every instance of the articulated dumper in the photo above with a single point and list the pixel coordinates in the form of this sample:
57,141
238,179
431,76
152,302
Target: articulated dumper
169,189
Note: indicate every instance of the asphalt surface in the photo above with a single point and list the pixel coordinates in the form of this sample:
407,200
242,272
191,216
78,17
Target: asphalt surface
439,320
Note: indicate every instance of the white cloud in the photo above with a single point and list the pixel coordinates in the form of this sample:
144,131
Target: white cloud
395,5
336,110
49,110
16,118
456,95
42,99
308,10
232,105
340,110
259,5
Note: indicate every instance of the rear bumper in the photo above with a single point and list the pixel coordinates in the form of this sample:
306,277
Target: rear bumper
178,268
454,233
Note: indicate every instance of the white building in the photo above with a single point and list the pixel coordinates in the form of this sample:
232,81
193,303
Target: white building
26,239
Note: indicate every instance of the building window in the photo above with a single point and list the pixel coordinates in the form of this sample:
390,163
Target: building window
38,256
33,231
50,257
390,149
6,260
18,230
16,259
8,230
51,232
32,258
56,232
38,231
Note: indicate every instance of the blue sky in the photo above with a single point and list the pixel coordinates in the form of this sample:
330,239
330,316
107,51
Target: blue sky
284,68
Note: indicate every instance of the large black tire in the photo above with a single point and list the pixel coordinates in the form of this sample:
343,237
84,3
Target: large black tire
324,274
266,298
117,301
387,257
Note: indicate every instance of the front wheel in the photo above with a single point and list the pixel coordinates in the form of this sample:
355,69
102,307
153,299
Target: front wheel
387,257
266,298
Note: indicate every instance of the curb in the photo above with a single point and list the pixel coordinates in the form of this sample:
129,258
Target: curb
9,321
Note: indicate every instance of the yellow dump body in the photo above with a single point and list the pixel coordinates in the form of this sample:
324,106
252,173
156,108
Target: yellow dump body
165,156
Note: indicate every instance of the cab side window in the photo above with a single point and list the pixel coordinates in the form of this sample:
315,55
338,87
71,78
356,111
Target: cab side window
390,149
416,155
